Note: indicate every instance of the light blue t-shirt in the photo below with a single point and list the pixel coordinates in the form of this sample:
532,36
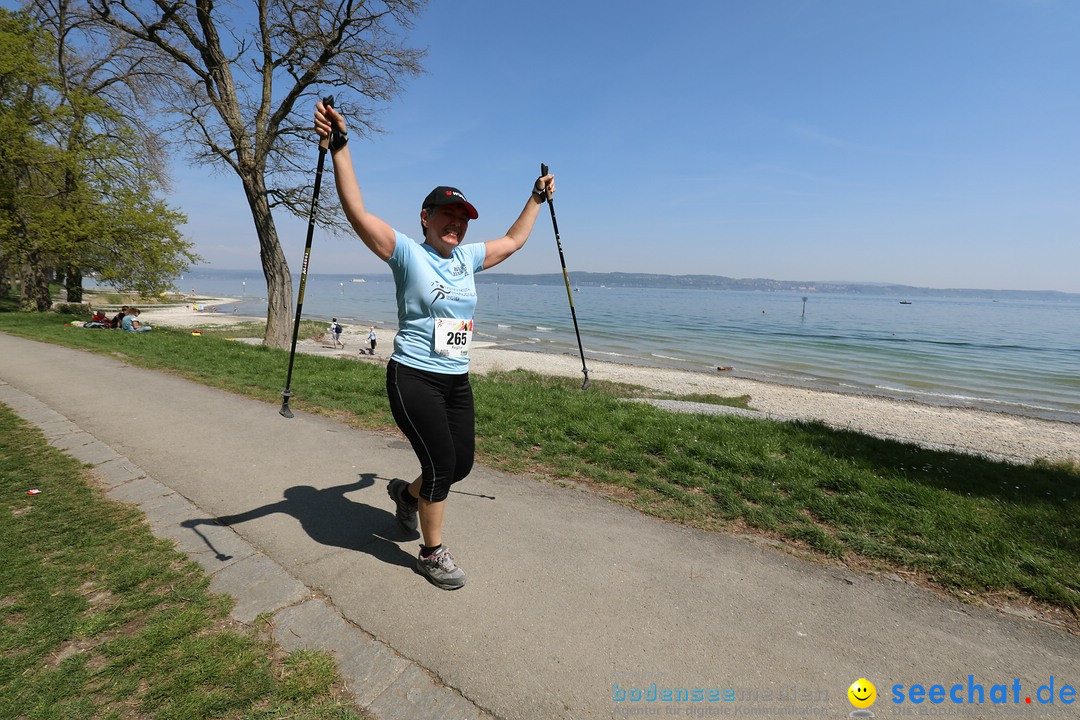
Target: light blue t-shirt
430,286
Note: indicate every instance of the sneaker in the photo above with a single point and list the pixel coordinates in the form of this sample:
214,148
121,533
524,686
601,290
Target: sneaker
406,514
439,567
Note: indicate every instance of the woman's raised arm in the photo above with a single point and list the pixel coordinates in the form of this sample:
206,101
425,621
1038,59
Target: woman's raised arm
502,248
373,230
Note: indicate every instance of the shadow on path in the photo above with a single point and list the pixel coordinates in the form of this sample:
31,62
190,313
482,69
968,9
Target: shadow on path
329,518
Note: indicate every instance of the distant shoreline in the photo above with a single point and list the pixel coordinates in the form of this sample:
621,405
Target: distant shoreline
716,282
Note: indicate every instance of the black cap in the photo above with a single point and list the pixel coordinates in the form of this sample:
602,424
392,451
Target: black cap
444,195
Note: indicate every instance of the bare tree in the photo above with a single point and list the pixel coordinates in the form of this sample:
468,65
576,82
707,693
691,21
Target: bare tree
242,81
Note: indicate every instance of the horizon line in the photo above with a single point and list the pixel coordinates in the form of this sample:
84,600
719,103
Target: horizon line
867,283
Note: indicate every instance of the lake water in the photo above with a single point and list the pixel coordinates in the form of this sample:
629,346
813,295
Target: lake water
1009,355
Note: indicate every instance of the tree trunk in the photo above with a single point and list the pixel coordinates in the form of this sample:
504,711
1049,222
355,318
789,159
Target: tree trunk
279,311
35,286
5,278
73,284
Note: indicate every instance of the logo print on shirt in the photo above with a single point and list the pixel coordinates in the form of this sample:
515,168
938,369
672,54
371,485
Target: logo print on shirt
458,270
441,292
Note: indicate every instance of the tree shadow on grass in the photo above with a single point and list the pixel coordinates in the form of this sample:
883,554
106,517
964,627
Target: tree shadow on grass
1040,502
329,518
955,471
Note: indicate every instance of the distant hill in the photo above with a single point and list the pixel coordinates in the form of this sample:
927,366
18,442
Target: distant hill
719,282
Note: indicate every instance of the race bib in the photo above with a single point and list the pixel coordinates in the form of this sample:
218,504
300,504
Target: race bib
452,337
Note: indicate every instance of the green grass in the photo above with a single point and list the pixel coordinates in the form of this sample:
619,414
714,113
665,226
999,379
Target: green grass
99,619
968,524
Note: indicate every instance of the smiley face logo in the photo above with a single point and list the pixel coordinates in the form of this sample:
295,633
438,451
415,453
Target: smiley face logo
862,693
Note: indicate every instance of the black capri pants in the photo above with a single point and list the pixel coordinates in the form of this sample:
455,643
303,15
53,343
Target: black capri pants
435,412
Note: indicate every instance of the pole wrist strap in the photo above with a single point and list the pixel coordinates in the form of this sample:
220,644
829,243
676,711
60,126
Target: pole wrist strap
338,139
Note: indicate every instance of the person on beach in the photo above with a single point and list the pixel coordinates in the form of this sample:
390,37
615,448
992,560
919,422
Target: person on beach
427,377
335,332
371,340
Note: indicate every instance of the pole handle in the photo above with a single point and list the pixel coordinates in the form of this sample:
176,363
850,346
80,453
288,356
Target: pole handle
324,143
543,172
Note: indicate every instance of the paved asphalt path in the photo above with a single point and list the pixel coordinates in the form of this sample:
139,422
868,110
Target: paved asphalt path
571,600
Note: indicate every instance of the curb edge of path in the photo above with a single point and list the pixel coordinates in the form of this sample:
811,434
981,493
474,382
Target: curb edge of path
382,682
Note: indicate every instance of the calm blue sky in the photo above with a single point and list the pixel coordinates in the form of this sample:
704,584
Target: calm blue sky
925,142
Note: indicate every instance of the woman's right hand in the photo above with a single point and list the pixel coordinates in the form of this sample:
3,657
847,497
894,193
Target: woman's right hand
327,118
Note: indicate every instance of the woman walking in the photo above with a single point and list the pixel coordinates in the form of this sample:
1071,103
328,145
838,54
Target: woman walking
427,377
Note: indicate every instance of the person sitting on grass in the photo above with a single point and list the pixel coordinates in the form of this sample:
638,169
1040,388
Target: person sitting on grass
130,322
115,324
97,321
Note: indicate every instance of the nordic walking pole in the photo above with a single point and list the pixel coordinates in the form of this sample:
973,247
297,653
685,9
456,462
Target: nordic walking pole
323,145
566,278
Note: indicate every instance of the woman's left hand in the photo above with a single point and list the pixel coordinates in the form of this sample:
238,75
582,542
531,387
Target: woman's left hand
544,187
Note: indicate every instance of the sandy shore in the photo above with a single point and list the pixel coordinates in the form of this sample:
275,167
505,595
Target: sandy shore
997,435
194,313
